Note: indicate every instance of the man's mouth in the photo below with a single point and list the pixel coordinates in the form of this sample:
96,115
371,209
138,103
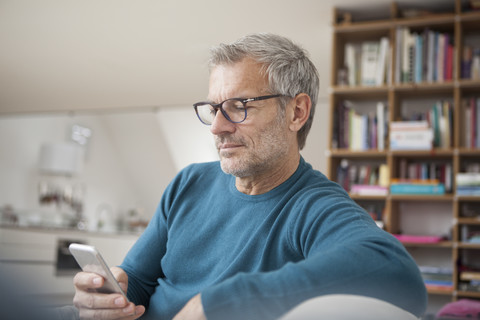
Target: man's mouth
224,145
228,146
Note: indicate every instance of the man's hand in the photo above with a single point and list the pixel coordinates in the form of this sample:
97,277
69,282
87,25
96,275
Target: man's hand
93,305
193,310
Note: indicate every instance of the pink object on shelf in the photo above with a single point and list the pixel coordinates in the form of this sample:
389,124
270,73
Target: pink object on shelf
465,308
406,238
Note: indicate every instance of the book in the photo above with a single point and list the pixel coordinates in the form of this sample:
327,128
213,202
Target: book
436,124
414,181
440,62
468,183
441,283
449,62
408,238
473,124
369,190
469,275
418,70
466,63
370,53
475,67
350,63
408,125
382,64
428,269
445,125
398,54
477,122
430,55
381,123
383,175
410,135
467,179
468,191
408,45
417,189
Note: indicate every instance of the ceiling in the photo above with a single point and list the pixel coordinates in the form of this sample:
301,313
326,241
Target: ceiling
90,54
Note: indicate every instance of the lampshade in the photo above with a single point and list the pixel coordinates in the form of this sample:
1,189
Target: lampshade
61,158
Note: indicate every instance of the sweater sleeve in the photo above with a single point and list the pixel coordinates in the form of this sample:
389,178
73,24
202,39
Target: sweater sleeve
344,253
142,263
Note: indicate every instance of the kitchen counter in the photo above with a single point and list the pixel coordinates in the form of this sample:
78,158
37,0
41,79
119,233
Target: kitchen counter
39,255
56,228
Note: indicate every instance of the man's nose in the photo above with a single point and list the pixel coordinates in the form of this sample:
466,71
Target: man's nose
220,124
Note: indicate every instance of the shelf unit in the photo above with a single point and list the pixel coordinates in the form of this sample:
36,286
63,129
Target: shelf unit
461,25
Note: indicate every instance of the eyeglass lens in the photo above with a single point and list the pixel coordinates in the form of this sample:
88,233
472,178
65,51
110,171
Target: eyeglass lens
233,110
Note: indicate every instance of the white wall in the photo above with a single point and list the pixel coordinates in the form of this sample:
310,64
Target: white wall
127,163
70,55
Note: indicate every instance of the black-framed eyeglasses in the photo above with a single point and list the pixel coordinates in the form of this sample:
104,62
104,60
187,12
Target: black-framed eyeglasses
234,109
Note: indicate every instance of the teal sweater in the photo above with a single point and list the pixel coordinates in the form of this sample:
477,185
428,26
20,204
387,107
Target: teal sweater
256,257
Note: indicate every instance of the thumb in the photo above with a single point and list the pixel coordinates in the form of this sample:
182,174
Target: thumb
121,276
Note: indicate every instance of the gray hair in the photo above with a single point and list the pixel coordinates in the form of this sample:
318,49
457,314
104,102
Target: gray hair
286,64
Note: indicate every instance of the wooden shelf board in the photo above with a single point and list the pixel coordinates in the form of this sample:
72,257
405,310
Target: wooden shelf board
466,245
440,291
359,92
469,152
363,26
428,20
468,198
471,294
357,154
364,197
470,20
401,197
424,153
473,221
443,244
469,83
424,88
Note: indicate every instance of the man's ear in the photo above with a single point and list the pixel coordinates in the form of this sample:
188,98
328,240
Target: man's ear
302,104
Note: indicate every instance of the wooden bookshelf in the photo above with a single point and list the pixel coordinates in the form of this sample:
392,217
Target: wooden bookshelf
460,24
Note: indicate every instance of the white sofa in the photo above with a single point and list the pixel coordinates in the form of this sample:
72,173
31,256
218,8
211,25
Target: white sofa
347,307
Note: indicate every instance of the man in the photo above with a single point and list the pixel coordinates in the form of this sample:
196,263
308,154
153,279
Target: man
259,232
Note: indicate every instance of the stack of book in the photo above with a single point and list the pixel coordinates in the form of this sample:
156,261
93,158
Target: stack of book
417,187
424,130
472,122
356,131
363,179
440,120
426,172
470,281
423,57
410,135
367,62
468,183
437,278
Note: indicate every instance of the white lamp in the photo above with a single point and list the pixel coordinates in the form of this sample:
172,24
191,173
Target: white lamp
61,158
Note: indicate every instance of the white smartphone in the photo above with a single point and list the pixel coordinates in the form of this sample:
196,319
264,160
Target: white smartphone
90,260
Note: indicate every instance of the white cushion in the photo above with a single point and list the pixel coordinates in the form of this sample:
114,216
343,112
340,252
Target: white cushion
347,307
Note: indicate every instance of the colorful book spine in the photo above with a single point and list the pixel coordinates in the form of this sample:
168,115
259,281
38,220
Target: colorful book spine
359,132
417,189
368,190
426,56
